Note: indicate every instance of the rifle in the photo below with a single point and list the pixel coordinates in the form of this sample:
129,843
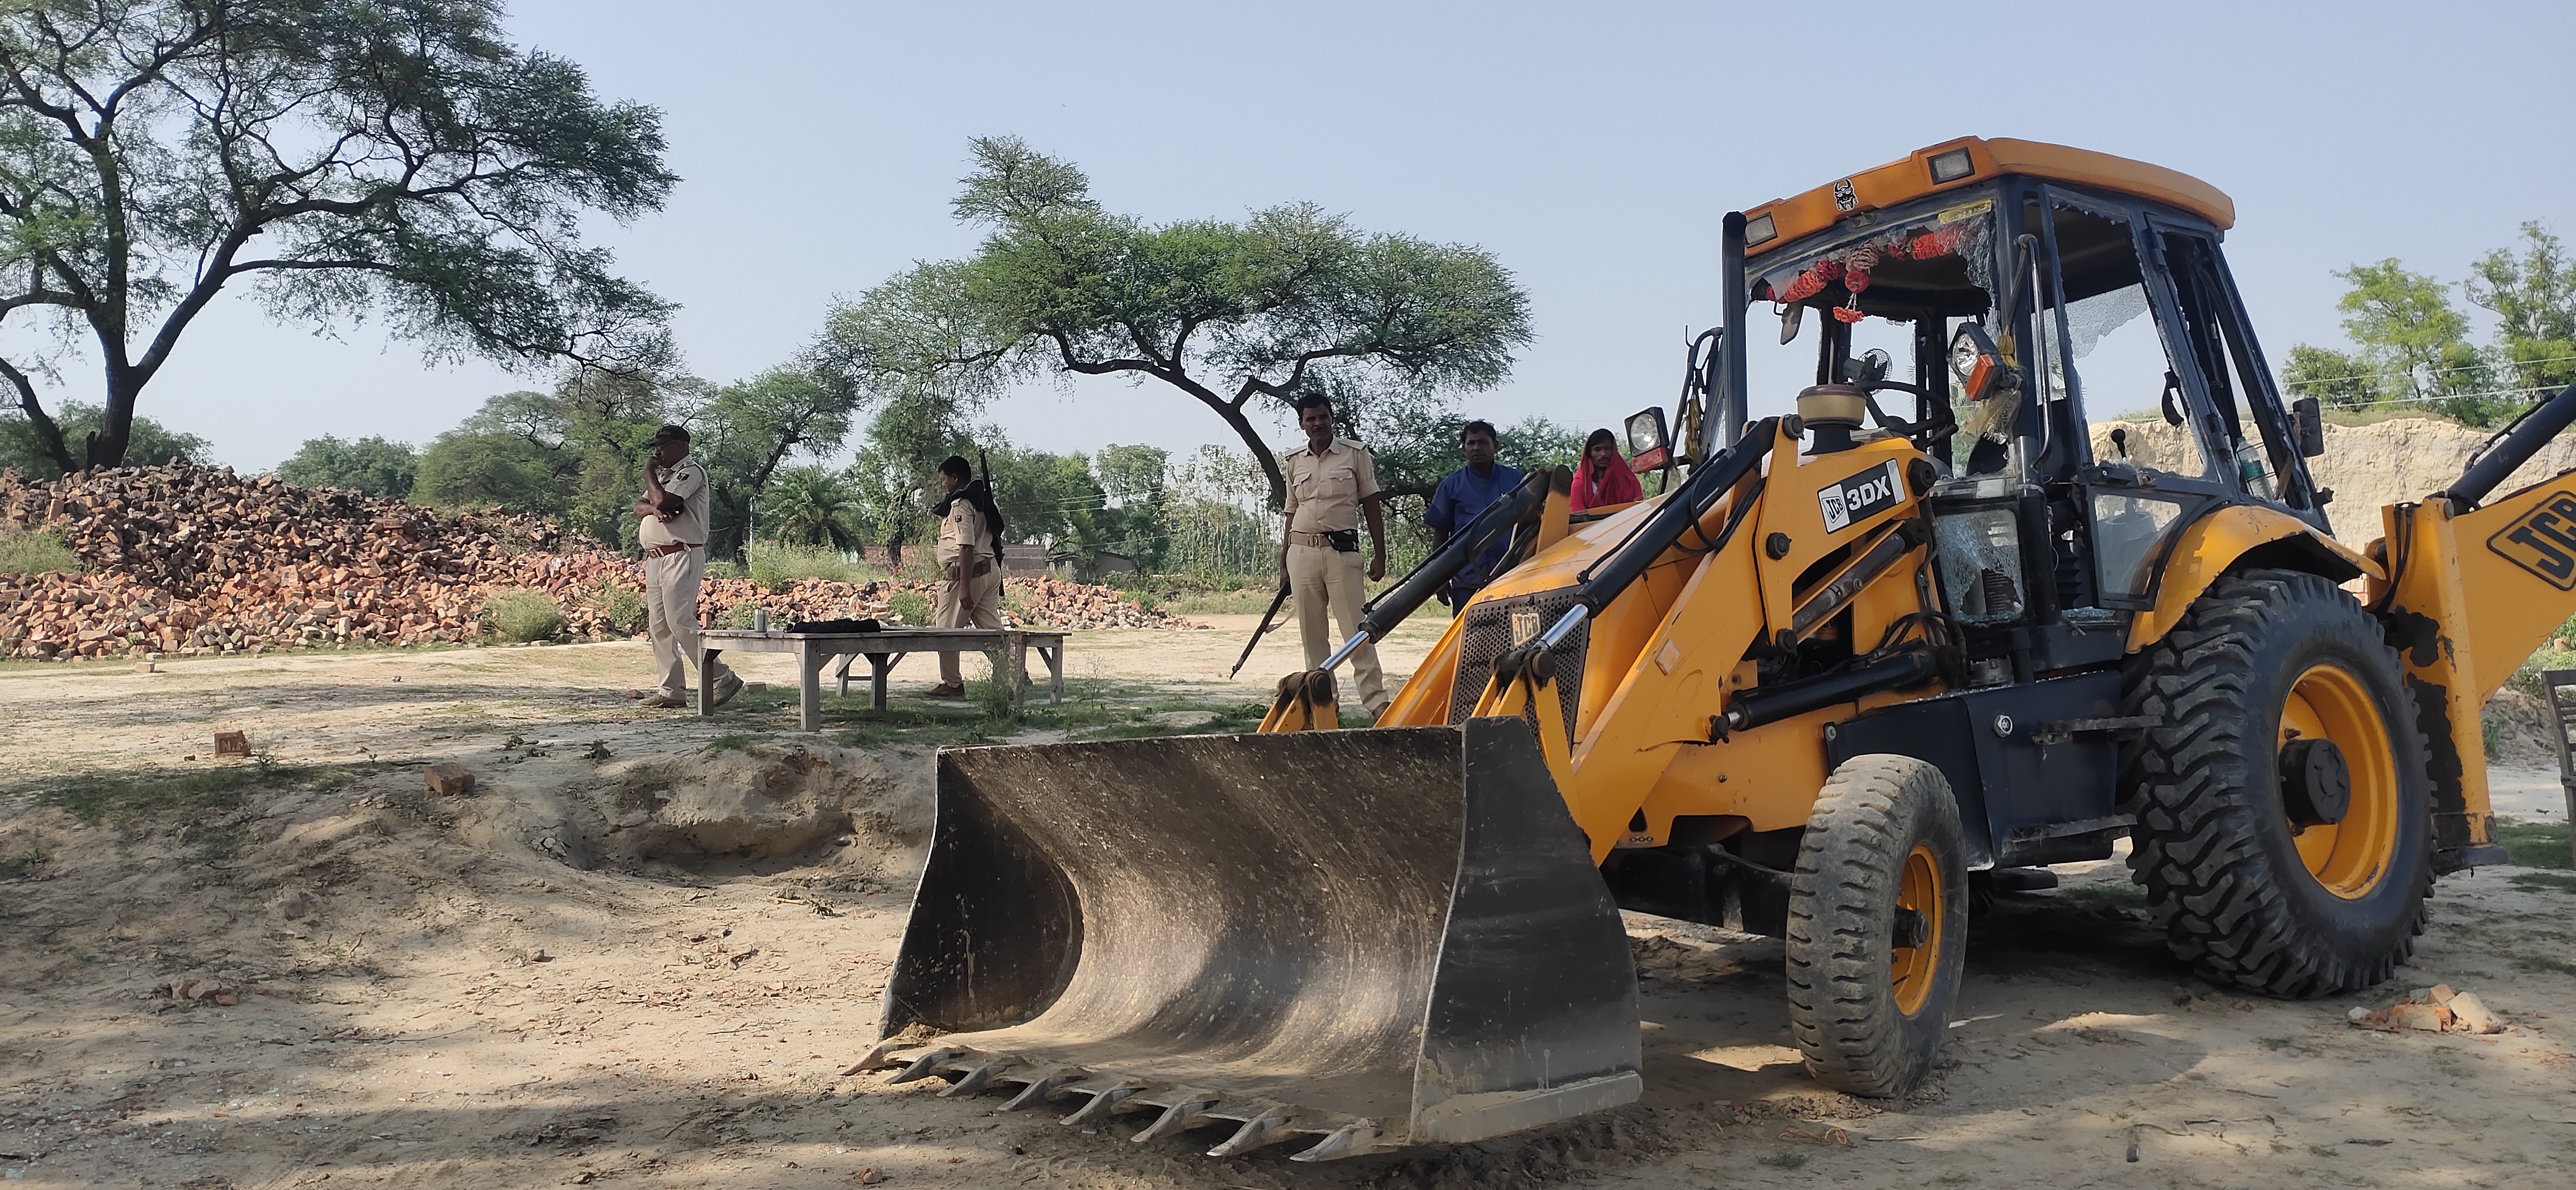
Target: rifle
1264,630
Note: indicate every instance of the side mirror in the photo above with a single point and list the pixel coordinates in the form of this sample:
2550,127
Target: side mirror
1789,320
1649,444
1977,364
2312,427
1869,369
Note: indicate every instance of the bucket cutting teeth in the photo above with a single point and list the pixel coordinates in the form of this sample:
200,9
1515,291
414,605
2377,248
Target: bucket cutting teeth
1259,1123
1181,1108
1038,1084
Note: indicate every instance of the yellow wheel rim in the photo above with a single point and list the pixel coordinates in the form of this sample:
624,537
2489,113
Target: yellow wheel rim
1913,967
2351,857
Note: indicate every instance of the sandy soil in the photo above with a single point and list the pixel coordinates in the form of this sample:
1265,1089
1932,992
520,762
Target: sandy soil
647,963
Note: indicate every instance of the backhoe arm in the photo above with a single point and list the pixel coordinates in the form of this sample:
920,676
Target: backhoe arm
2472,590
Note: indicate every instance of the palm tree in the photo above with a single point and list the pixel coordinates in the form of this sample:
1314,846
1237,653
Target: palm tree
812,505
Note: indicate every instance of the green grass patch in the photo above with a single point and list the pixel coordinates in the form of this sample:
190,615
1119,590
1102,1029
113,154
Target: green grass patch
24,862
733,741
1785,1160
2106,896
2558,881
926,725
624,607
2533,844
123,799
517,615
774,566
2544,965
911,607
41,551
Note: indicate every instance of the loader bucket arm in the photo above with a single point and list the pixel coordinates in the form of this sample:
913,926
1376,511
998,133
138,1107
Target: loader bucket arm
2472,588
1380,938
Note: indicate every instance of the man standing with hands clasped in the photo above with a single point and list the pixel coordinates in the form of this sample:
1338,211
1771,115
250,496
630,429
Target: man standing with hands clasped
1332,487
1462,495
673,532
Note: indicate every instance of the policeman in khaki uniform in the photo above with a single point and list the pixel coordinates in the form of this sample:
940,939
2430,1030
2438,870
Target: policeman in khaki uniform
970,563
672,529
1332,487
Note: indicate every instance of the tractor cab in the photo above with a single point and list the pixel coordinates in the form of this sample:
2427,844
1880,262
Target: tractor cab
1989,300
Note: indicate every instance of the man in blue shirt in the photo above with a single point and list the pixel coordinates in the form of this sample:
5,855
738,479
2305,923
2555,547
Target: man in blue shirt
1461,495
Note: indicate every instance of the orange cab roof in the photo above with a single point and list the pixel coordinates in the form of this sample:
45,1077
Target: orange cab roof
1913,177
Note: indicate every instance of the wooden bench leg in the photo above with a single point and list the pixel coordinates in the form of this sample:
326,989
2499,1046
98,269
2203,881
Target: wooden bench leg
706,689
1055,672
842,674
809,686
1019,651
880,663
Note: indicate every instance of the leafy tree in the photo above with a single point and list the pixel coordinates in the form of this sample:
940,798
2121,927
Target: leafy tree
811,505
148,442
575,453
749,429
485,468
336,156
370,464
2337,379
2534,300
1225,312
2406,325
1135,481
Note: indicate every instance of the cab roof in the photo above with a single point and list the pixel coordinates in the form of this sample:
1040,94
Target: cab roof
1967,161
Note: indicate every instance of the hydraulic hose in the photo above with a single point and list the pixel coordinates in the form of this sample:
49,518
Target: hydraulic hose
1677,515
1416,588
2510,449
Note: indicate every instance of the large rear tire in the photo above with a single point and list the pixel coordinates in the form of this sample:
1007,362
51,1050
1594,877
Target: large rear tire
2245,894
1878,925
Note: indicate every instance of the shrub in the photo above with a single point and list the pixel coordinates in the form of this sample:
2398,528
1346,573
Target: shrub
911,607
723,570
999,696
775,566
740,614
40,552
518,614
624,607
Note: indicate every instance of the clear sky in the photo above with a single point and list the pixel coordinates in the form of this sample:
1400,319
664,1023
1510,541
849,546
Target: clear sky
1592,147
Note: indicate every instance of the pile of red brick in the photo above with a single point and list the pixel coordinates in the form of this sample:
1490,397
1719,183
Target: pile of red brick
185,561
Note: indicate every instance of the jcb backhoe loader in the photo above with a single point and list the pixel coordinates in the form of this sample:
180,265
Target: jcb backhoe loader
1846,661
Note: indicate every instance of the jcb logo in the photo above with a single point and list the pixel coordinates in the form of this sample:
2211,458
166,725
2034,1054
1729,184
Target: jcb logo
1866,494
2543,541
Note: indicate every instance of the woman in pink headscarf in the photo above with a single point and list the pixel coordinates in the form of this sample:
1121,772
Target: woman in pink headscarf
1603,478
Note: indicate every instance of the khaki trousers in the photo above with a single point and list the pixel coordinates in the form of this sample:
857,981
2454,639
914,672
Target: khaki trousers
671,611
1321,576
974,600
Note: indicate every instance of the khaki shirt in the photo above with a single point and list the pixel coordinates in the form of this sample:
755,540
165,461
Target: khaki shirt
962,533
688,481
1325,491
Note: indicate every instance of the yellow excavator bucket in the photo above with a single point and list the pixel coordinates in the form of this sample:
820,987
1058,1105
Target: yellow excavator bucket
1378,938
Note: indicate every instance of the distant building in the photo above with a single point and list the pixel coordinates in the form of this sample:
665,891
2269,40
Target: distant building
1106,562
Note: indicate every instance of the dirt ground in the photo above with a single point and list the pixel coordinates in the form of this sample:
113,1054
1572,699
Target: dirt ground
642,951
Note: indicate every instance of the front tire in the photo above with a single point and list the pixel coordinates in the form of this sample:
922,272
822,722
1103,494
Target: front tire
2246,895
1878,925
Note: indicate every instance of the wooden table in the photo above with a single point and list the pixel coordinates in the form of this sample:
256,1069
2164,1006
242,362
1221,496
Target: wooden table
814,650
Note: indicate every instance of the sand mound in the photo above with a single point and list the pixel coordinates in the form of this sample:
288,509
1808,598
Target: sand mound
2366,467
806,802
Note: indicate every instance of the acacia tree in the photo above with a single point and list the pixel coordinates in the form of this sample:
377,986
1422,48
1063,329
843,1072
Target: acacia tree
337,156
1289,299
